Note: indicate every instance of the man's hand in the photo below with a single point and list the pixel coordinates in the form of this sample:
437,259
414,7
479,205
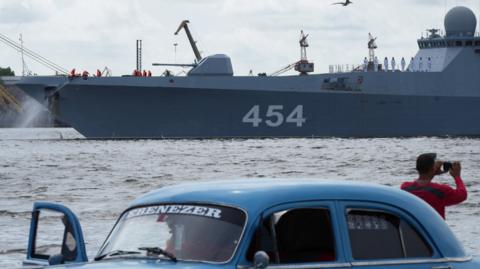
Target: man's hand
438,167
456,169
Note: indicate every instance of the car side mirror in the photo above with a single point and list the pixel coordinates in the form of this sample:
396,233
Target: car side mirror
261,260
56,259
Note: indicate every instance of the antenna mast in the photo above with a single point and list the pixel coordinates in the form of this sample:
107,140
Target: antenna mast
21,51
175,51
139,55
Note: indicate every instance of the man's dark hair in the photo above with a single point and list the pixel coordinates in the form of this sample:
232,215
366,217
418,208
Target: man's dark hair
425,162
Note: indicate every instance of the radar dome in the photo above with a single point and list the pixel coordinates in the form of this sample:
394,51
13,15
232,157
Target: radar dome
460,21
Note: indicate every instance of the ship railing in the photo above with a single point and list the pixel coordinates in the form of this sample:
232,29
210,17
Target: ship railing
442,33
344,68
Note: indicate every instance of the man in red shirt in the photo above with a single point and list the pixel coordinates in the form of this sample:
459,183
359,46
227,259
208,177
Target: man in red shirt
437,195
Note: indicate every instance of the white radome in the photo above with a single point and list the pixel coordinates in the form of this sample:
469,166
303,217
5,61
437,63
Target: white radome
460,21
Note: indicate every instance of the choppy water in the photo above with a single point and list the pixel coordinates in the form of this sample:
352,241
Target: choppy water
97,179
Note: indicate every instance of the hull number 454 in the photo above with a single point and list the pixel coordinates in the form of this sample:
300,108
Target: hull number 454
275,116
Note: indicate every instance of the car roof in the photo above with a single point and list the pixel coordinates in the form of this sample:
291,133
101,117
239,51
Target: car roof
256,195
251,194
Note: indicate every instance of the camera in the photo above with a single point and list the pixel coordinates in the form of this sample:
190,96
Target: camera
447,166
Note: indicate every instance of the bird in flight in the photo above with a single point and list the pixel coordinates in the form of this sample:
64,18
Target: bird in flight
346,3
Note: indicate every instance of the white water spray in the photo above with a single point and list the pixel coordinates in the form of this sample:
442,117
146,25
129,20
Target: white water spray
33,114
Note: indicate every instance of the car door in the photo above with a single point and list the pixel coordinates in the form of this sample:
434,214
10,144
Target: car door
298,235
381,236
55,236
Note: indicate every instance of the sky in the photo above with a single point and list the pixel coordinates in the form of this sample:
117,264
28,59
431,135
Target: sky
258,35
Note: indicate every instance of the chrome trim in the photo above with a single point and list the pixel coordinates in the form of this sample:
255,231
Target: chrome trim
460,259
302,266
310,266
412,261
369,263
34,263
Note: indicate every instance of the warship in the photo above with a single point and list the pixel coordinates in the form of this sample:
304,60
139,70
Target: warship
436,94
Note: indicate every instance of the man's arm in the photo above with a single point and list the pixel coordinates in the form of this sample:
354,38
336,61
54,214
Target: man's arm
458,195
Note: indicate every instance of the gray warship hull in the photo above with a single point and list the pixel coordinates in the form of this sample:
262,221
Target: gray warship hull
440,97
128,108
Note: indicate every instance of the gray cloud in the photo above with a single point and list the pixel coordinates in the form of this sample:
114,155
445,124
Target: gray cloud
257,34
14,11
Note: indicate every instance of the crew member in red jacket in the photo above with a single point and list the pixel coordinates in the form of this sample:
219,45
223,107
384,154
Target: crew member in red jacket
437,195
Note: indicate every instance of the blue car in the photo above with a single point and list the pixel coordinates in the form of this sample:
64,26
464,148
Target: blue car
258,224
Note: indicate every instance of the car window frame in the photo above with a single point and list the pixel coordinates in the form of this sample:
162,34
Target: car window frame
345,206
340,259
234,253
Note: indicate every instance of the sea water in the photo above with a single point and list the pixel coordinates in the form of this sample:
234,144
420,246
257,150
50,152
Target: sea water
98,178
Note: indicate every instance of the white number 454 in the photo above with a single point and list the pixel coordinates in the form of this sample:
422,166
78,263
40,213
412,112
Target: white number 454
275,116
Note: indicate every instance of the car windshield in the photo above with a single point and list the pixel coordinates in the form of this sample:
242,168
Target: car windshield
190,232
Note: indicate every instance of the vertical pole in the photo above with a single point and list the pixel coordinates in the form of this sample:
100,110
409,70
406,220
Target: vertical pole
175,51
139,55
445,8
23,59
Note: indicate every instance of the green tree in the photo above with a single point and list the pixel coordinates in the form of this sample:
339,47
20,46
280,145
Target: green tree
6,72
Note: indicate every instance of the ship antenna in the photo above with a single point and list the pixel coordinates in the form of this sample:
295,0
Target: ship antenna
21,51
139,55
175,52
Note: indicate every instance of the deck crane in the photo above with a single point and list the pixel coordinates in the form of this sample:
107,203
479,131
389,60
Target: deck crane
193,43
303,66
283,70
372,46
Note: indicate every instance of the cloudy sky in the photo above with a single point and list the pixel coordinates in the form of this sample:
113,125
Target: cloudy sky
261,35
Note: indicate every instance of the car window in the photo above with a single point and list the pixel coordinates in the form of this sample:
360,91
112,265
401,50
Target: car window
57,239
191,232
296,236
381,235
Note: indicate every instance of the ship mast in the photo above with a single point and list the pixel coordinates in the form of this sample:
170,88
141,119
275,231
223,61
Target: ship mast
139,55
372,46
21,51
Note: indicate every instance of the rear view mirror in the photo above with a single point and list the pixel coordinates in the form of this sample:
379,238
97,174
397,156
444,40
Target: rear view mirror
261,260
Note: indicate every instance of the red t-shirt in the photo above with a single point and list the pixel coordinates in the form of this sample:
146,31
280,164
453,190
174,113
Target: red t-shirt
438,195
